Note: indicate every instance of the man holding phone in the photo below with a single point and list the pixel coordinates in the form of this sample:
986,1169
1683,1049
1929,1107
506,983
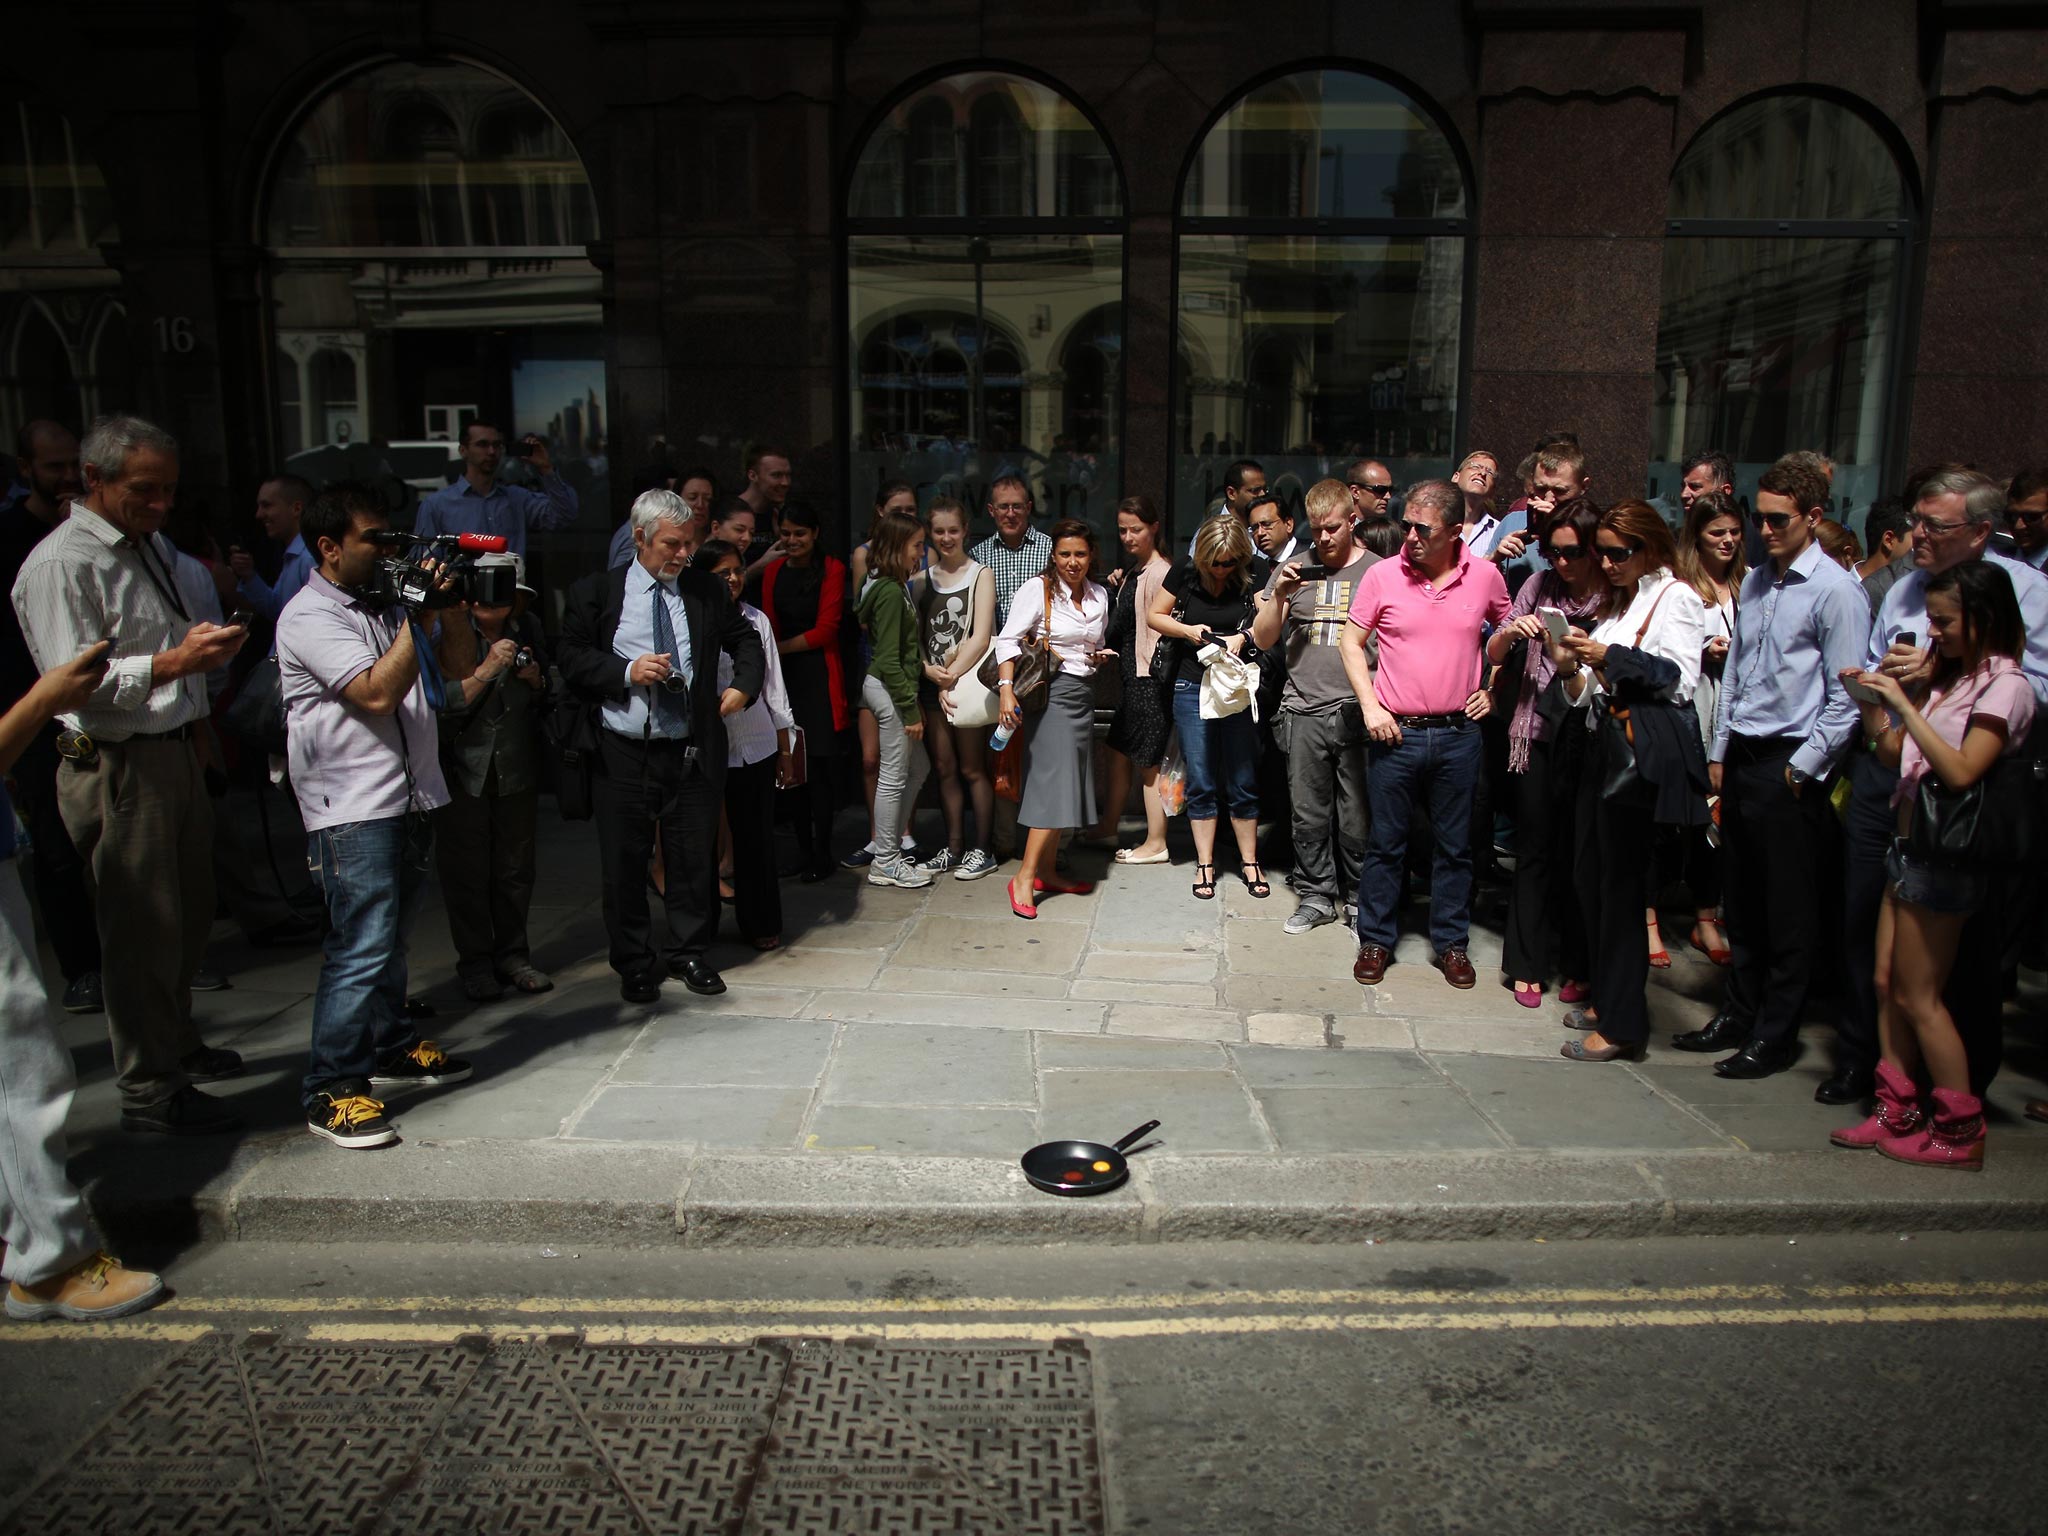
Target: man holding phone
1305,609
130,786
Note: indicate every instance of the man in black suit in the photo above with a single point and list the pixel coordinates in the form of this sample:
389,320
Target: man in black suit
641,643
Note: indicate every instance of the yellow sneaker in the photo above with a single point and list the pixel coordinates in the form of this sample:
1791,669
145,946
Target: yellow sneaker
98,1287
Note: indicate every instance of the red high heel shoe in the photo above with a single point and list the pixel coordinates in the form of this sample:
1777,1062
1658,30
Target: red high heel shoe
1018,907
1062,887
1719,954
1660,957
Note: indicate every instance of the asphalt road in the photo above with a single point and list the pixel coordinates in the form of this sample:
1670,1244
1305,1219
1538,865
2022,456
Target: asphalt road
1723,1386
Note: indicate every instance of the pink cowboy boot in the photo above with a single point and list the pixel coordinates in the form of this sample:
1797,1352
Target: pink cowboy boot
1898,1112
1953,1138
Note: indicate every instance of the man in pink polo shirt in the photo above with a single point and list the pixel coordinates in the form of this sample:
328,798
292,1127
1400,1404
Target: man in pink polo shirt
1430,609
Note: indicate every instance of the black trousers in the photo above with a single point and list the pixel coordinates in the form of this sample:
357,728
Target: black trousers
750,816
61,888
1613,875
1780,851
484,847
644,786
1546,930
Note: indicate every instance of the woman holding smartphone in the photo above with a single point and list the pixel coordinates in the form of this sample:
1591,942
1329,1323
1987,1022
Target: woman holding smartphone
1977,709
1710,558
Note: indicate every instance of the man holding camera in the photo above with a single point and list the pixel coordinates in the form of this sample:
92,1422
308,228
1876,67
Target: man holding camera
130,786
477,503
641,644
360,696
1305,609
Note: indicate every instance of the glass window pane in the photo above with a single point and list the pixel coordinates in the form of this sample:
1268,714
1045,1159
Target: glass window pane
991,145
1326,144
1307,353
1787,157
425,155
1764,346
973,356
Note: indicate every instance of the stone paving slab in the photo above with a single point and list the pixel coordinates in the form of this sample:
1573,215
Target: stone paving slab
877,1077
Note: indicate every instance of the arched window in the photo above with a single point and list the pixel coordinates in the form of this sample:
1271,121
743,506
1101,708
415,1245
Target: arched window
1322,268
427,226
985,219
61,318
1784,273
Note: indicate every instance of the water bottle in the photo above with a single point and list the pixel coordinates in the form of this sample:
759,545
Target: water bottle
1000,737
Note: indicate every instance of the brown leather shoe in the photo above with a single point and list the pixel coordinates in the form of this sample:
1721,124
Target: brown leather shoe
1456,966
1371,965
95,1288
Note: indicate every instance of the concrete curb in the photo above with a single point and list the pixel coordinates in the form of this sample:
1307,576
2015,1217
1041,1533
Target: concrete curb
517,1192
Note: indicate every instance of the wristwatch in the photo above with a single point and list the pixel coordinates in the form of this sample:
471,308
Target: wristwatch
1797,776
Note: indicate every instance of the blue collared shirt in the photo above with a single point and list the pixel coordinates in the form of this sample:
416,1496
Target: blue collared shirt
1794,635
269,597
509,510
635,637
622,551
1905,609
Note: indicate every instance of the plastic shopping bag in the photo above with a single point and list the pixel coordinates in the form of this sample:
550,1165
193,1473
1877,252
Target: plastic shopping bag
1173,778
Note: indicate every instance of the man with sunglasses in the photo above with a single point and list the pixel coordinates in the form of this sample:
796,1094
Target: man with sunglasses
1429,609
1785,721
2026,513
1955,511
1372,489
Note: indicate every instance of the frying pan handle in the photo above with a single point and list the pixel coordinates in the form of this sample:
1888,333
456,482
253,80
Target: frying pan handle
1146,1129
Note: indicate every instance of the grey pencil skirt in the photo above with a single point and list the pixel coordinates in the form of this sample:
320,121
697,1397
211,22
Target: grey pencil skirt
1059,757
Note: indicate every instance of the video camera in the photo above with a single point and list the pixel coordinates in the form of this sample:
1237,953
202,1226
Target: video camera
405,579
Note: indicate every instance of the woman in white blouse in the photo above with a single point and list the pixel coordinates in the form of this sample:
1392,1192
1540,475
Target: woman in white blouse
1710,559
759,761
1059,757
1633,679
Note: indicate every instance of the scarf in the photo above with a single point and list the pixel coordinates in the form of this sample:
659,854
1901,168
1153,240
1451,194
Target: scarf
1540,669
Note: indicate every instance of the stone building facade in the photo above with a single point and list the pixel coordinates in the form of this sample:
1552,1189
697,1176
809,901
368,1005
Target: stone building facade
1116,242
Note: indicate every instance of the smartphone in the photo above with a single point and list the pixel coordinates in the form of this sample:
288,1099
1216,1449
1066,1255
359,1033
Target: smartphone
1862,693
1312,572
1554,621
1906,637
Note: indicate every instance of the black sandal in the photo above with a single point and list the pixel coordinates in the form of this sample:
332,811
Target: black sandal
1258,887
1205,888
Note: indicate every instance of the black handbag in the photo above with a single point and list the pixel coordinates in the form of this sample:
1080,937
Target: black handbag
570,729
1621,777
1992,824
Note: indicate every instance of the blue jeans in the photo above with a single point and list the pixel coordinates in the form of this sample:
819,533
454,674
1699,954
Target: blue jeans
1222,757
1440,766
371,874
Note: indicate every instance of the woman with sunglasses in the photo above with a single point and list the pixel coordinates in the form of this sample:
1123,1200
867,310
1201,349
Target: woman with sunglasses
1632,680
1711,561
1545,933
1211,599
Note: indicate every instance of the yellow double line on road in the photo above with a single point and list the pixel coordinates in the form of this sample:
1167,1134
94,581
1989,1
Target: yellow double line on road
993,1319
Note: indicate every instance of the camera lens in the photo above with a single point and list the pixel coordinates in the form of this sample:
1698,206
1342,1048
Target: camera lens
673,682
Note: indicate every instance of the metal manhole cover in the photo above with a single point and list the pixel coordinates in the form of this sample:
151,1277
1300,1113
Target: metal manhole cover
778,1436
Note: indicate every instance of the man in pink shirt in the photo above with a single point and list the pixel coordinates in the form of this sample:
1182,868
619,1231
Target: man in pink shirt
1430,610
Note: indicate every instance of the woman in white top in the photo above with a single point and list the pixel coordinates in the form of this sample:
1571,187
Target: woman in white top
1059,741
956,603
1709,558
1633,679
759,745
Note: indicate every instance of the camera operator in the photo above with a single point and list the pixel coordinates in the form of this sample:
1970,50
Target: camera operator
360,694
484,845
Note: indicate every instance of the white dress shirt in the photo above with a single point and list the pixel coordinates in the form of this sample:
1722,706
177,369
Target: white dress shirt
88,580
750,734
1077,630
1677,632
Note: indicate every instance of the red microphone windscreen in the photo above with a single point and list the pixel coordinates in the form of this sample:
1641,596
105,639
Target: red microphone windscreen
485,543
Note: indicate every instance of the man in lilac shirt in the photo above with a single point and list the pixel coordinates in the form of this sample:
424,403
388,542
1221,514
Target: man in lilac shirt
477,503
360,694
1430,609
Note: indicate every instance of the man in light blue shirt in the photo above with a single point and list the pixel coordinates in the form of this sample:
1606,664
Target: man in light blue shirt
477,503
1801,621
280,503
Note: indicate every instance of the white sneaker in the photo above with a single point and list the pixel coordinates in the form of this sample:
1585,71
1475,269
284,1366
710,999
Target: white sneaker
940,862
898,871
976,864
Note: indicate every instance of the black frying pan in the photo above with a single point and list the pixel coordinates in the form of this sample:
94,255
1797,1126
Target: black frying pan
1081,1167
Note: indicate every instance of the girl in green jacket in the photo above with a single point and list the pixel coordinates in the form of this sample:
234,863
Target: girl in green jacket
889,691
